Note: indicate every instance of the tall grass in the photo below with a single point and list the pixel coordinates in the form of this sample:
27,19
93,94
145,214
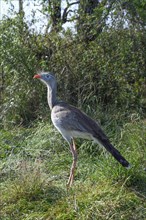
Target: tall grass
35,165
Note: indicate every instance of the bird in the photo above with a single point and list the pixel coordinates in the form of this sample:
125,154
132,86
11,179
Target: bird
73,123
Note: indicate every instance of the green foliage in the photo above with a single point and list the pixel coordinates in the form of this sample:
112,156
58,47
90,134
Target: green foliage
109,70
18,64
136,11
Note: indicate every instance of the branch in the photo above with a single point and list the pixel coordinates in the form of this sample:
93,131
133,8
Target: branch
65,13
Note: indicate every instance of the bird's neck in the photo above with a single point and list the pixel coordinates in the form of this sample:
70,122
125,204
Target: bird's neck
51,97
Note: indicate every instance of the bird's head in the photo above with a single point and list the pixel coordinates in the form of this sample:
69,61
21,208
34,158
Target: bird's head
46,78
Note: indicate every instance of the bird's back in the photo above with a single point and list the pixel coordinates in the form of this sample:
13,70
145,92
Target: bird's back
70,119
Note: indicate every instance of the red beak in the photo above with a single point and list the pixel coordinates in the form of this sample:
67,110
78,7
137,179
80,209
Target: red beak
37,76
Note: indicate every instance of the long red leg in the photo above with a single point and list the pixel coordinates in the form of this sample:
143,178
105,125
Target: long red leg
74,153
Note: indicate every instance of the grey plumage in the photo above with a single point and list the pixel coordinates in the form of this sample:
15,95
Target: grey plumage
72,122
72,119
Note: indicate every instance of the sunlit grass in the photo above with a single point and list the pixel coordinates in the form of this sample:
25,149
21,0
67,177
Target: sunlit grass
35,165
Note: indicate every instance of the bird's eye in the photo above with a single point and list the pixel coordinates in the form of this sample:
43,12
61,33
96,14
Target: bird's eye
47,76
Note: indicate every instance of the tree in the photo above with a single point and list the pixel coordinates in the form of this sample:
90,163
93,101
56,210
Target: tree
55,14
58,15
136,11
21,11
92,17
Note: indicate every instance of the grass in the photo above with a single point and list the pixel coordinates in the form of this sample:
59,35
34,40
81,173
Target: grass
35,165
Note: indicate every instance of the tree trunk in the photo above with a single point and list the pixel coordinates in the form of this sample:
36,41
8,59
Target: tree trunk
21,11
55,15
20,6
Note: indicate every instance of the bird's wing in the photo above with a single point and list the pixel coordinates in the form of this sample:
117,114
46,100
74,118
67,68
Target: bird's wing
71,118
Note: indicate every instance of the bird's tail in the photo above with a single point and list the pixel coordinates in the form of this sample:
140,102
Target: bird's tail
115,153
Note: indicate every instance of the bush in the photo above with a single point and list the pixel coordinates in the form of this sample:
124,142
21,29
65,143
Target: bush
109,71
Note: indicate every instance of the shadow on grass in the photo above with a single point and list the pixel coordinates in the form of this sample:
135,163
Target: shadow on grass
137,184
52,194
16,205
